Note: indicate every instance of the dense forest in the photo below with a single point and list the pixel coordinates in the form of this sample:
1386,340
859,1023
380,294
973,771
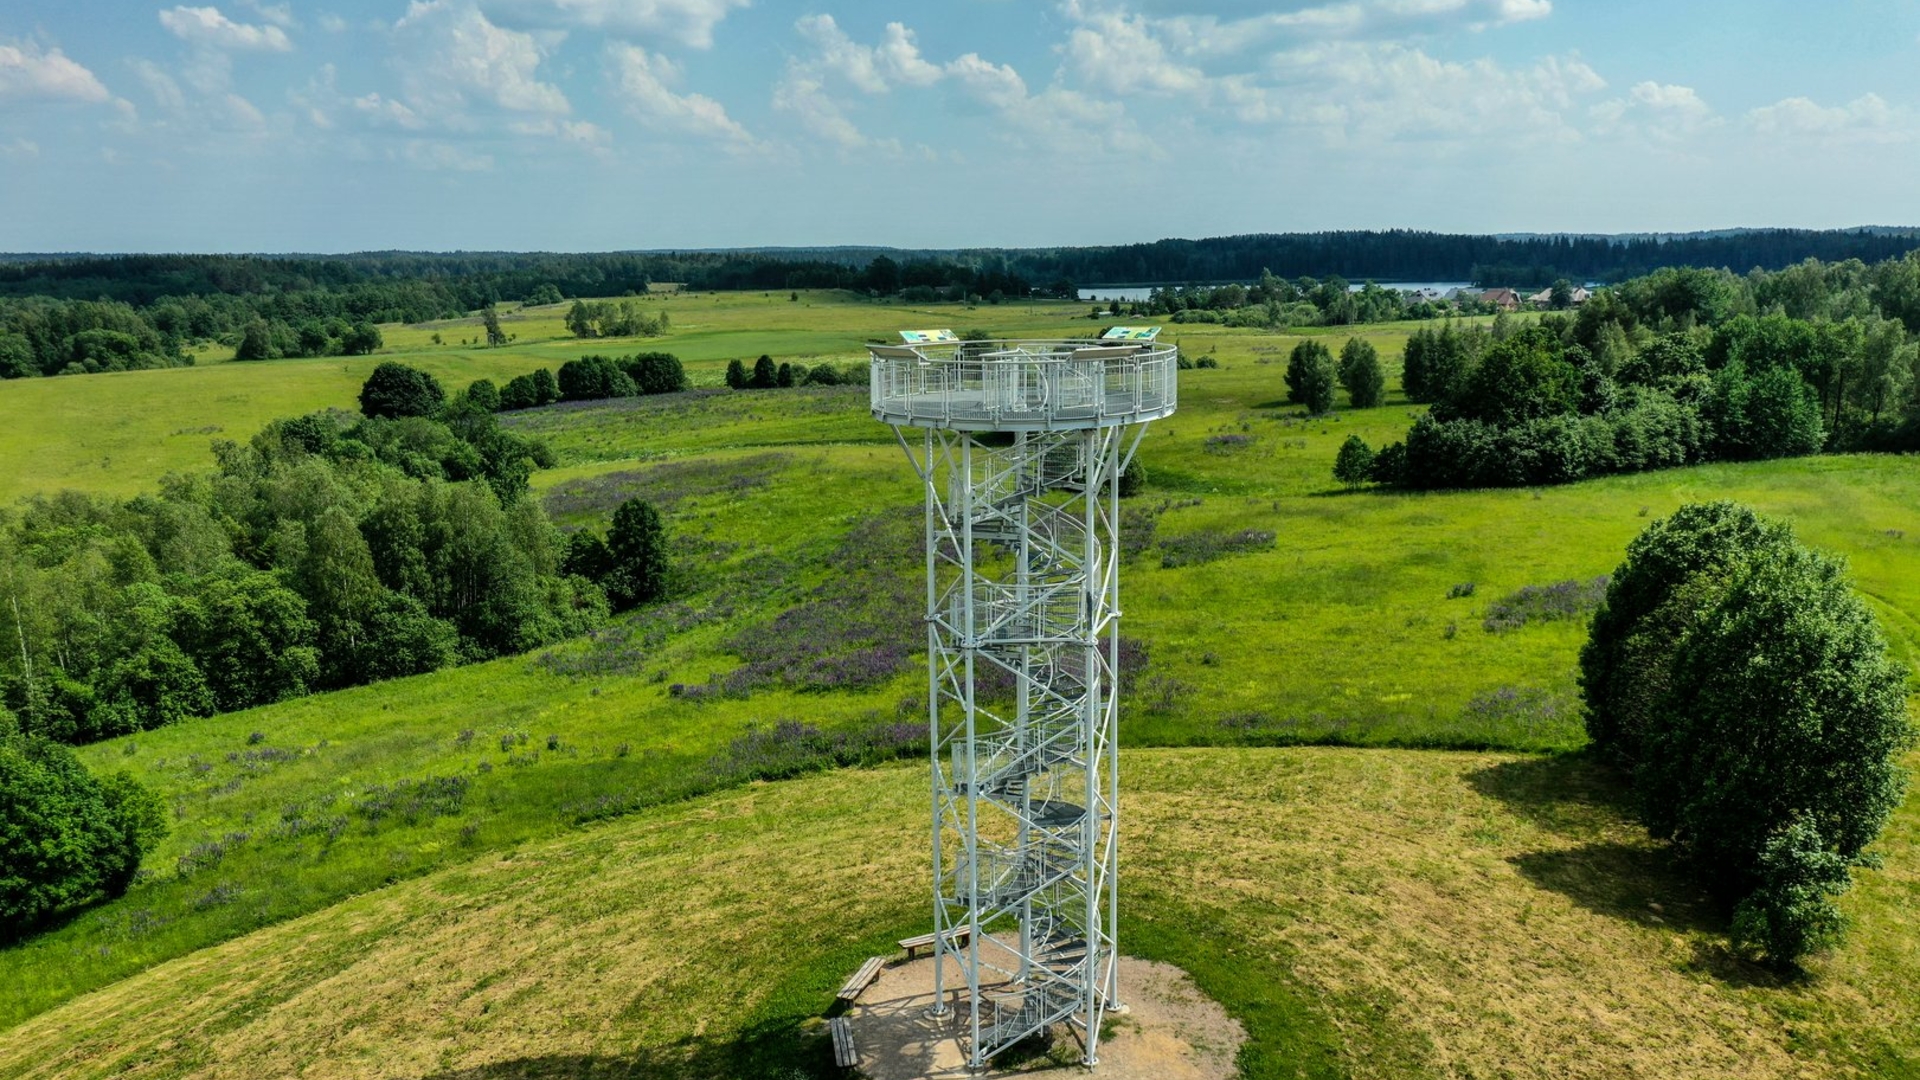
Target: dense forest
1675,368
333,549
82,314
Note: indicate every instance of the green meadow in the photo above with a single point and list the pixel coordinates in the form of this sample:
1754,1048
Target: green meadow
1355,812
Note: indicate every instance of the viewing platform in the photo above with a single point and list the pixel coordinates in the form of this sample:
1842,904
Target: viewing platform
1060,385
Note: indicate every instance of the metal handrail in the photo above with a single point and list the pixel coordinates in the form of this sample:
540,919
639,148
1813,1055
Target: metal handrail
1023,385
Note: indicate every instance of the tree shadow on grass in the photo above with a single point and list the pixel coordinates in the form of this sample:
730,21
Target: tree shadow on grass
773,1048
1611,867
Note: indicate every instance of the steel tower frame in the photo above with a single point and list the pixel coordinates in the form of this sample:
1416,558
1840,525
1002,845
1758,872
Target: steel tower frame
1023,636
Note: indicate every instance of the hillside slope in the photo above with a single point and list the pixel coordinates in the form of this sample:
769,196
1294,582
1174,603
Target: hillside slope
1368,913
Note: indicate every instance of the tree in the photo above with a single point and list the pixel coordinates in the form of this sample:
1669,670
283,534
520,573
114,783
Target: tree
544,294
361,339
394,389
1769,716
591,378
1353,466
783,377
256,342
765,374
1360,373
1560,296
484,395
636,555
737,378
1304,357
1525,377
491,319
580,319
66,838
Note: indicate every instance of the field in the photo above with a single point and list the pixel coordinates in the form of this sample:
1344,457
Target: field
496,870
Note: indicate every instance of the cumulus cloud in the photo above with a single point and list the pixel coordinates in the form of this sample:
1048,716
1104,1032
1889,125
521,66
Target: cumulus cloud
30,73
452,57
1120,54
1868,118
686,22
206,26
1055,115
876,69
1661,112
645,79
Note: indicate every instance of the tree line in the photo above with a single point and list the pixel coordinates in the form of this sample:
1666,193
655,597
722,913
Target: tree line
331,550
1674,368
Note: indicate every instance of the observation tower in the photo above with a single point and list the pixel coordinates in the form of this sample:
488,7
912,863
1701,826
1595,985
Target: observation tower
1020,445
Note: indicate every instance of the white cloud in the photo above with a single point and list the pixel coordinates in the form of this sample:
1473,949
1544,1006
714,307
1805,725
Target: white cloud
1664,113
160,86
280,15
1868,118
991,84
802,94
1201,33
1389,91
1120,54
382,110
644,82
31,73
452,57
578,131
896,61
333,24
20,149
687,22
206,26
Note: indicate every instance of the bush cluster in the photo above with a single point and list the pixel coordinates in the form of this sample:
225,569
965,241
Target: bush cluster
330,551
67,838
1751,694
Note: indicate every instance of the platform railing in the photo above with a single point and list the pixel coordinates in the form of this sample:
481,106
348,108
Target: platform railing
1023,385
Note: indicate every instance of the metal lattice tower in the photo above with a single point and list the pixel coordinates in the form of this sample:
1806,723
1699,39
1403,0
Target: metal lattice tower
1021,449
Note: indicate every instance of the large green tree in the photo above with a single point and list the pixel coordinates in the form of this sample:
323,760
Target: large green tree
395,389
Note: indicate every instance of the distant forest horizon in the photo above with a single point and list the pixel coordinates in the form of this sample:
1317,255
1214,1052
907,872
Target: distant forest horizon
1516,259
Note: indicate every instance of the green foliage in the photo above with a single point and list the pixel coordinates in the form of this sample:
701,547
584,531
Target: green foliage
256,342
1354,464
591,378
1624,665
765,374
1526,377
615,318
66,839
483,395
1753,692
636,558
532,390
1791,912
1360,373
1436,362
395,389
490,318
737,378
1304,364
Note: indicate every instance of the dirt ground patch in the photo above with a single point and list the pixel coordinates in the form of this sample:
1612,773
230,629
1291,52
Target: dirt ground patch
1168,1030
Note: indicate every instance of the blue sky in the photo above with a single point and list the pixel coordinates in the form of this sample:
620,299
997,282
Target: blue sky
340,125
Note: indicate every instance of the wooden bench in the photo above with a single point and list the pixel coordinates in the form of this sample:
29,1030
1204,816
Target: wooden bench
844,1054
868,972
956,937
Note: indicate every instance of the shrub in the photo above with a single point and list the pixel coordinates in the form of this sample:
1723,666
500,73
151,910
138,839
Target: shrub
66,838
591,378
395,390
1769,715
484,395
737,378
1354,464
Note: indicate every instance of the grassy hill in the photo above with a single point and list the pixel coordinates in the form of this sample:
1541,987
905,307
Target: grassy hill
358,880
1365,913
